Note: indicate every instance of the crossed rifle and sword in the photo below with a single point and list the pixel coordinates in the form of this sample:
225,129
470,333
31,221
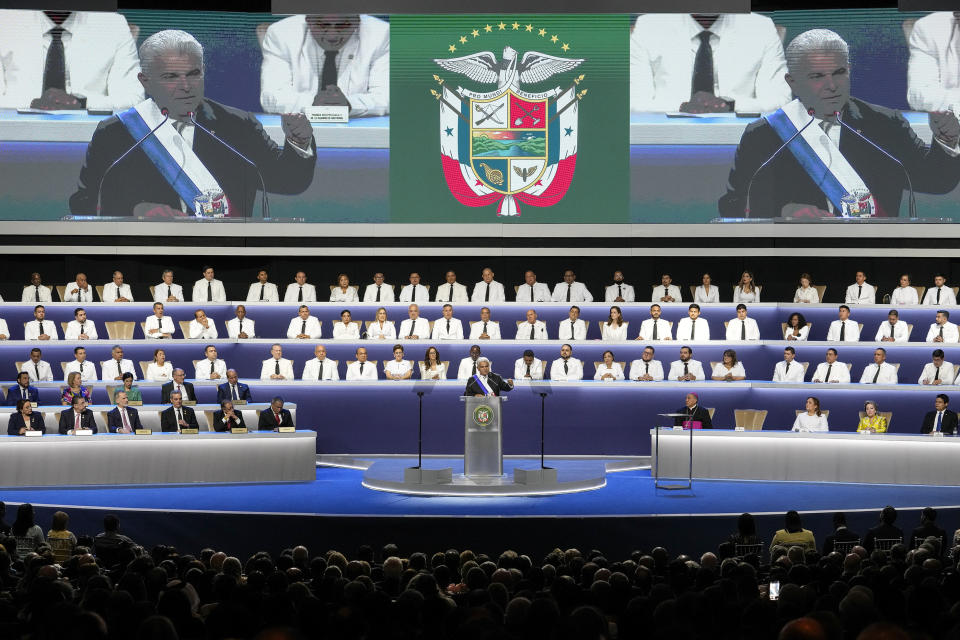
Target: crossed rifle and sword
490,114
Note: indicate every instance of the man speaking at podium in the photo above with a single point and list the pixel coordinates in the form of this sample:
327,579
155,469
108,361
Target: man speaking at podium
828,162
485,382
180,162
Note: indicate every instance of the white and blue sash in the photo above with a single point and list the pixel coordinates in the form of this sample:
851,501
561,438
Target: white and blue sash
483,387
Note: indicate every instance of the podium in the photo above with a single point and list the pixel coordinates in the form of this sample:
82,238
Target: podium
482,433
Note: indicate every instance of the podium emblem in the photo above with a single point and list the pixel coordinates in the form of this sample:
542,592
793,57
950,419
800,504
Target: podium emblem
483,416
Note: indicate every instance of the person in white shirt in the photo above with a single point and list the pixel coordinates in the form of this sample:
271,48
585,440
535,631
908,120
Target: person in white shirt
276,367
379,291
87,370
811,420
488,289
880,371
701,63
117,365
208,288
943,330
742,328
570,290
904,293
303,326
398,368
432,368
167,290
300,290
937,372
797,328
614,329
158,325
262,290
159,370
566,368
619,291
414,327
80,328
447,327
573,328
40,328
4,331
39,370
202,327
531,290
893,330
806,293
933,79
609,369
79,290
729,369
940,295
117,290
451,290
344,292
686,369
320,368
832,370
361,369
666,291
705,292
860,292
655,328
241,327
787,370
468,365
415,292
381,328
528,367
843,329
211,367
532,329
36,291
485,328
693,327
747,289
346,329
646,369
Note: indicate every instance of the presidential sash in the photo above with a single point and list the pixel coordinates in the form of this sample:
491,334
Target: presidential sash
483,387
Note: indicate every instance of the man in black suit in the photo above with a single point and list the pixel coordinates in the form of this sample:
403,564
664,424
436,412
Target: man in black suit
840,533
693,412
22,390
492,382
818,74
233,389
172,76
275,417
940,419
883,531
77,417
178,384
123,418
177,417
227,418
24,419
928,527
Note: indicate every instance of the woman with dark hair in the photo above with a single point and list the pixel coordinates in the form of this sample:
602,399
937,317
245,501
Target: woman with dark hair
747,289
61,540
29,536
343,292
133,393
432,368
793,534
24,419
609,369
806,292
398,368
346,329
729,368
872,421
904,293
614,329
812,419
159,370
706,292
797,328
746,530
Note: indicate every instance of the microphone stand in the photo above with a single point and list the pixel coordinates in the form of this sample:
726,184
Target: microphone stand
166,116
420,430
543,399
746,209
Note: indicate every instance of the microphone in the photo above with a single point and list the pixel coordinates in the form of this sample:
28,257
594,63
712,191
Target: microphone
264,204
810,112
166,116
912,203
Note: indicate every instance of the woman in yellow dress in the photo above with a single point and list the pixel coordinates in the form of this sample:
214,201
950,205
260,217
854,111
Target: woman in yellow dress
873,421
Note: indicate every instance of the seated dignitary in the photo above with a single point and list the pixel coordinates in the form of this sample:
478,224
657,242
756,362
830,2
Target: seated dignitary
666,291
275,416
159,370
167,290
178,385
486,383
573,328
226,417
693,412
414,327
39,370
126,385
447,327
40,328
24,419
706,291
806,293
36,291
940,420
485,328
77,417
655,328
158,325
414,292
742,328
528,367
609,369
904,293
932,82
532,329
432,367
276,367
937,372
488,289
123,418
381,328
468,365
880,371
117,365
614,329
177,417
797,328
304,326
241,326
619,291
893,330
451,290
729,369
646,369
80,328
80,364
872,421
943,330
832,370
77,291
327,59
346,329
812,419
208,288
940,294
201,327
693,327
398,368
566,367
570,290
262,290
531,290
747,289
300,290
379,291
344,291
233,389
787,370
22,390
361,368
210,367
819,76
117,290
686,369
843,329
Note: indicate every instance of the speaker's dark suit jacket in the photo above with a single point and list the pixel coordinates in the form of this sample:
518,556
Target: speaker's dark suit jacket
243,390
67,422
268,423
496,383
168,419
115,423
949,424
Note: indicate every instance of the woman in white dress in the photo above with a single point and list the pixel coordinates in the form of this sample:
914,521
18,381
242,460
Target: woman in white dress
346,329
747,289
159,370
431,368
343,292
608,370
806,293
706,292
381,328
729,368
398,368
904,294
614,329
797,328
812,419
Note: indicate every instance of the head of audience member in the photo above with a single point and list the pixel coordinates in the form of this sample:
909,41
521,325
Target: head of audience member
893,316
35,354
300,278
450,277
574,313
943,316
226,406
208,274
414,278
528,356
818,71
80,354
303,311
24,407
117,353
232,376
167,277
447,311
648,353
176,399
378,279
263,276
615,317
319,351
158,309
693,311
831,355
939,280
530,277
741,311
691,400
80,315
487,275
860,277
746,525
792,522
332,31
813,405
888,515
729,358
746,281
608,358
666,280
160,357
941,401
618,277
179,375
685,354
566,351
210,353
361,354
276,352
413,311
531,316
655,311
569,276
483,367
200,315
35,279
79,403
120,399
789,353
172,71
843,312
23,379
118,279
345,317
879,355
39,312
805,280
73,380
398,352
241,312
870,408
431,356
127,380
485,314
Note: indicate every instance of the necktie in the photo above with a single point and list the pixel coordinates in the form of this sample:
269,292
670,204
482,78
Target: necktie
36,369
169,295
180,390
686,369
646,368
786,369
123,417
209,291
236,396
361,368
413,324
876,375
743,329
179,419
40,322
413,293
300,295
941,332
703,66
826,378
36,296
80,295
159,325
83,326
486,297
528,372
566,367
619,291
485,328
303,327
938,295
531,292
533,327
378,293
328,76
654,329
572,325
23,393
569,288
664,291
320,375
240,328
843,330
76,420
474,368
693,331
891,329
212,364
81,370
448,327
936,376
939,420
262,287
276,417
450,295
276,367
54,70
859,291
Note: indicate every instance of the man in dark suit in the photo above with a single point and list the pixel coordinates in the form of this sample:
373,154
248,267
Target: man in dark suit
275,417
693,412
123,418
227,418
178,384
928,527
177,417
818,74
883,531
941,418
172,76
24,419
22,390
77,417
233,389
493,382
840,533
